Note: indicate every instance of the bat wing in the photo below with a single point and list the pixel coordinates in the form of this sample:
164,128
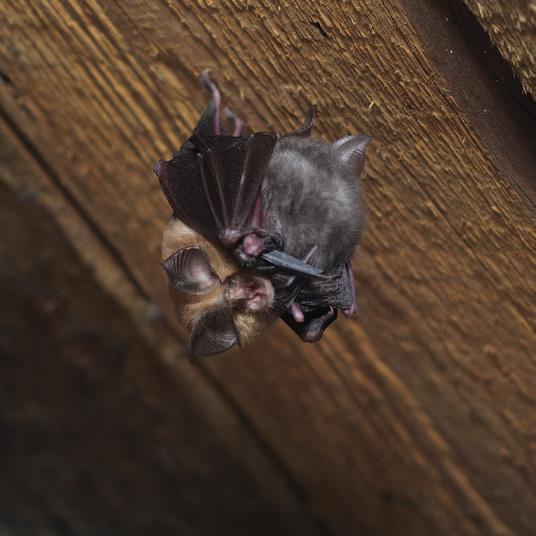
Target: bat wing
213,182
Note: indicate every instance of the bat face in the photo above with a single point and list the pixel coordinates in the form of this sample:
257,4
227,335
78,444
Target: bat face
225,305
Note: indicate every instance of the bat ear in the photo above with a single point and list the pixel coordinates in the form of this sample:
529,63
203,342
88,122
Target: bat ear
189,270
351,152
213,333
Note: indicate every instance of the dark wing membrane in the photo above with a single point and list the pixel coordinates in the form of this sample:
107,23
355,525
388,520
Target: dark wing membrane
259,151
311,295
213,182
234,173
182,184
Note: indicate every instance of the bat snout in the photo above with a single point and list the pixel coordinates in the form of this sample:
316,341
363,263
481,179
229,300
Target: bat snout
256,293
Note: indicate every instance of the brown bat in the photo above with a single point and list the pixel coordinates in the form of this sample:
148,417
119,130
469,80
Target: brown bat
264,226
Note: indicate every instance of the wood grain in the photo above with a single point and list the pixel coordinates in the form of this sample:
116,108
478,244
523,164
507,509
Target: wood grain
511,25
418,417
97,433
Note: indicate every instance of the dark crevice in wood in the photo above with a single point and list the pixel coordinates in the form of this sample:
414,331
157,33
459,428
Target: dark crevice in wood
49,171
318,26
479,41
5,79
265,446
483,85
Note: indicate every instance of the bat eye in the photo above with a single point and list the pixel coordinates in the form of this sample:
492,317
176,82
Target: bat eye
231,282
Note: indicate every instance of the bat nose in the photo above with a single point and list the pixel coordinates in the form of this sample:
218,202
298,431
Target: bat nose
237,293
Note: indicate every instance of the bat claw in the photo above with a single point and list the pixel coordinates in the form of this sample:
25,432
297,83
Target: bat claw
297,313
251,245
350,311
207,81
212,88
160,169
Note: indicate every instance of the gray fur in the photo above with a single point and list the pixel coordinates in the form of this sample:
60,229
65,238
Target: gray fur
311,197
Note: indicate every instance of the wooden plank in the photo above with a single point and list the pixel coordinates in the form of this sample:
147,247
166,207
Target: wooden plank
98,435
511,25
417,416
483,86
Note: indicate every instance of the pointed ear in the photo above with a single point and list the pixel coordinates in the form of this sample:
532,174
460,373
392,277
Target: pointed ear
351,152
213,333
189,270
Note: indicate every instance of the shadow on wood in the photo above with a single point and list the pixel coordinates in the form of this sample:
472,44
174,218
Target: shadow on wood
416,417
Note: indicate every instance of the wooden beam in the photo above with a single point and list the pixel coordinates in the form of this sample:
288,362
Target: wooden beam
98,432
511,25
415,417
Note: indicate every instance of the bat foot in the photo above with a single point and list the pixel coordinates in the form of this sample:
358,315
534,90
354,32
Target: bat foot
297,313
237,123
212,88
350,311
253,245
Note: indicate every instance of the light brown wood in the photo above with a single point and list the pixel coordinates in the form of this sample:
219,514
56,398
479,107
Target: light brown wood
511,25
416,417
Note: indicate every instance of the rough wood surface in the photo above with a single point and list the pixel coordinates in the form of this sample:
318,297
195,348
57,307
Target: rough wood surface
483,85
417,417
97,433
511,25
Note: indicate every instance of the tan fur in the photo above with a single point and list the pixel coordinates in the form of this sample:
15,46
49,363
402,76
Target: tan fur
190,307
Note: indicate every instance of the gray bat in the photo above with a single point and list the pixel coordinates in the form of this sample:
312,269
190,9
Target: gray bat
264,226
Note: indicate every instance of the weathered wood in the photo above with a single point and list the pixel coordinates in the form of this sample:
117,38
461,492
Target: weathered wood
97,435
417,417
511,25
482,84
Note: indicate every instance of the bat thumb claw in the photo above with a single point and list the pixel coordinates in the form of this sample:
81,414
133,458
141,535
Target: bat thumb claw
206,80
160,169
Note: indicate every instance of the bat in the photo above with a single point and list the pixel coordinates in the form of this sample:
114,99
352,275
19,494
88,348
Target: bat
264,226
